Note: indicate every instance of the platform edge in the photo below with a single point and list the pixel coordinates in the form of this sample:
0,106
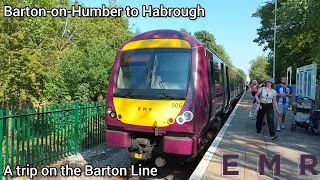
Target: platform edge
204,163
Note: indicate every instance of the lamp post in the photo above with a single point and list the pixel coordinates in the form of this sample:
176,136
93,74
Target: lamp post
274,41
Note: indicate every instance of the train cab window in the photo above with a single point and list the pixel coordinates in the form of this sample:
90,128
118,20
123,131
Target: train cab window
131,68
172,70
153,72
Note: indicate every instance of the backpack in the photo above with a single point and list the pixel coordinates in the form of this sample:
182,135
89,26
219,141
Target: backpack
254,111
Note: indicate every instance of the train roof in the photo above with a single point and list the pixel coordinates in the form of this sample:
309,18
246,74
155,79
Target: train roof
168,34
165,34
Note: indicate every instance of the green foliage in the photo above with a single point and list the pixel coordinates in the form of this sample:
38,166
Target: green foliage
258,69
28,52
137,31
185,31
89,64
57,60
298,32
61,60
208,39
242,73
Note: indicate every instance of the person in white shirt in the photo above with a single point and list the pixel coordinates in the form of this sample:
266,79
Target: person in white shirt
267,102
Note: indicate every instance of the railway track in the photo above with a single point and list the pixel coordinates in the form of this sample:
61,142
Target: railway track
174,171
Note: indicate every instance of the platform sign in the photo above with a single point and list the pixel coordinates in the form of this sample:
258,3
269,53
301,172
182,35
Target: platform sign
306,81
289,75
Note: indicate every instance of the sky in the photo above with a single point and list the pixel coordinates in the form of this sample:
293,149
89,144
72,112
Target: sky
230,21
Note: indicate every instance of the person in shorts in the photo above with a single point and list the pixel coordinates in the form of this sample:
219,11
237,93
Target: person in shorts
284,93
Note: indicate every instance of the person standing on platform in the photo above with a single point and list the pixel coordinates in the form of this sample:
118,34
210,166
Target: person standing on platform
261,85
254,89
267,101
284,92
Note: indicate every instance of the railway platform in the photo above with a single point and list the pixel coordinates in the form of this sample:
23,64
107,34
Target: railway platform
238,137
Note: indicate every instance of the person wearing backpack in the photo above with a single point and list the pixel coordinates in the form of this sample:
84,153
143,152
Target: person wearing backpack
267,101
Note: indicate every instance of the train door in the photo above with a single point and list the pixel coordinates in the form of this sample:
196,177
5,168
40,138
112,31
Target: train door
228,85
223,75
218,84
213,90
210,69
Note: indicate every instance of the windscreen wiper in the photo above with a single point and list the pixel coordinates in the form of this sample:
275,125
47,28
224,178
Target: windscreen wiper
161,85
136,83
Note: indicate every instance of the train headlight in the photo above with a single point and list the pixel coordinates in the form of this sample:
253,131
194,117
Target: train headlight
113,114
188,116
180,120
109,110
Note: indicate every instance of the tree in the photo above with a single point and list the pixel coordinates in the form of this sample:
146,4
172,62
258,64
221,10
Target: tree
242,73
208,39
55,60
94,46
29,53
185,31
258,69
137,31
297,42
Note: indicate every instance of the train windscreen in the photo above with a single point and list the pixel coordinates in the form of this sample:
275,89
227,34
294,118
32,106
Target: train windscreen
154,73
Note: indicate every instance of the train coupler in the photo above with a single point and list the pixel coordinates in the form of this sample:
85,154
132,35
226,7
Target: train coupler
142,149
156,133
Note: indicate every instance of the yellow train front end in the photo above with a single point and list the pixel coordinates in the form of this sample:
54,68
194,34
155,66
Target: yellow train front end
147,113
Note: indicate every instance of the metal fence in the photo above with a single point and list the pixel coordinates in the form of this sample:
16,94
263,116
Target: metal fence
38,136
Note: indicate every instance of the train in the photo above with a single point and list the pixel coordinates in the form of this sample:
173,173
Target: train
167,95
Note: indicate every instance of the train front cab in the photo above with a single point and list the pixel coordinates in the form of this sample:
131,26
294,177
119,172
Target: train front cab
154,117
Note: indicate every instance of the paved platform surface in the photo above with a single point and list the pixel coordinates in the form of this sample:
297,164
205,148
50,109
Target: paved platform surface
238,137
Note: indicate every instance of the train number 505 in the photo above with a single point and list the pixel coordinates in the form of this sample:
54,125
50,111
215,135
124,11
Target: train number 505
176,105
